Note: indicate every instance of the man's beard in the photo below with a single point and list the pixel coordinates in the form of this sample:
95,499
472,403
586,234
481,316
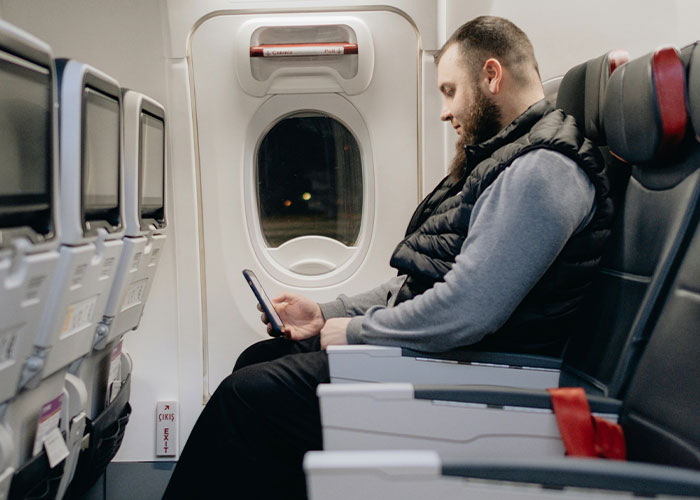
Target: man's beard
484,122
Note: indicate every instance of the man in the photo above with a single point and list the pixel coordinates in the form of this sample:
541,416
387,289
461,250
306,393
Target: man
496,257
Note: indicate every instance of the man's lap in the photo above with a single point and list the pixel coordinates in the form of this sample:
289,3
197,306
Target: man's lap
276,348
276,382
262,417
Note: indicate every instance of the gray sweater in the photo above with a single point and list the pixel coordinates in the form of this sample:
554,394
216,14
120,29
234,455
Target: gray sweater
517,228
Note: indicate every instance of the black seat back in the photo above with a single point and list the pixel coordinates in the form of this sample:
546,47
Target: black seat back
644,118
661,414
581,94
582,91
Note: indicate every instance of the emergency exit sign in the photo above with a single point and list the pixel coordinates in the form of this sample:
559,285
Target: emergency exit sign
166,428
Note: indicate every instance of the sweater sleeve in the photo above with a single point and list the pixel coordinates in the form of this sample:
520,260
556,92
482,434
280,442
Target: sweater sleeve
356,305
517,228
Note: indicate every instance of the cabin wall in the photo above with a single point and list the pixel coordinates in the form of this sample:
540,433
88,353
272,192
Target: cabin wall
143,44
566,33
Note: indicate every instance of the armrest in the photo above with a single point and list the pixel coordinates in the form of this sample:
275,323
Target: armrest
638,478
513,360
361,475
423,474
365,363
459,421
507,396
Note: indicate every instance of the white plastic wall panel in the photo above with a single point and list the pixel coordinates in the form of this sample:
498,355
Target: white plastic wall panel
172,320
182,15
386,417
24,285
225,112
565,34
359,363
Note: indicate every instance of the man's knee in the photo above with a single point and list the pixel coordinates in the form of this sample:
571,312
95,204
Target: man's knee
257,353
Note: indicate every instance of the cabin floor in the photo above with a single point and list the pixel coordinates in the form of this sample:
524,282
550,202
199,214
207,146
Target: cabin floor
132,481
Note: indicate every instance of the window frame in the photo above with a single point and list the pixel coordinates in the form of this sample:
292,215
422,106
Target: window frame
296,253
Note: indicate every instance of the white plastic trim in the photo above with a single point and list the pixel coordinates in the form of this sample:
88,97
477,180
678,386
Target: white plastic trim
389,461
363,363
281,262
395,391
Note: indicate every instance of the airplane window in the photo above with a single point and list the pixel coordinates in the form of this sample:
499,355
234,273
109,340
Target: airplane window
309,180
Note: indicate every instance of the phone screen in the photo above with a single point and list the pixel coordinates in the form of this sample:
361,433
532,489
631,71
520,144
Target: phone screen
264,301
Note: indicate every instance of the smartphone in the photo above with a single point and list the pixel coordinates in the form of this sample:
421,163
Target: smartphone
265,302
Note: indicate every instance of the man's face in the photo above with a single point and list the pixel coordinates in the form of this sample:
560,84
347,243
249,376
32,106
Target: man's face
472,113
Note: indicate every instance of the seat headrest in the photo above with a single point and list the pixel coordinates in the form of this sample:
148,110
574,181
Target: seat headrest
691,57
644,110
582,91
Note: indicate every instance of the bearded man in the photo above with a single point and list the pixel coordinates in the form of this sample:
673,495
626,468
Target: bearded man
497,257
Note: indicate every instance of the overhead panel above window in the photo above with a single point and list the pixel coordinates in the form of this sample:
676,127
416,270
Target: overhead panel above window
301,55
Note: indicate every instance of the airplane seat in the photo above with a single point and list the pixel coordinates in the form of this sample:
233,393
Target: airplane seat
581,94
582,91
91,216
663,402
145,174
653,213
659,408
551,89
40,475
91,185
662,200
30,234
107,371
104,434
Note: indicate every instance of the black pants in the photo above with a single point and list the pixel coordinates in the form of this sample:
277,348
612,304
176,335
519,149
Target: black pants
251,437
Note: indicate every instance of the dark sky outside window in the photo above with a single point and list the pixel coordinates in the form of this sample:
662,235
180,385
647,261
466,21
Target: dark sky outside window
309,180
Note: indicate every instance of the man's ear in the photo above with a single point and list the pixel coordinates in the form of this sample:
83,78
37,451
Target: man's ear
493,75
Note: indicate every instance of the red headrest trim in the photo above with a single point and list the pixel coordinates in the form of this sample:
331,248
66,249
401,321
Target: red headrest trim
617,58
669,80
618,157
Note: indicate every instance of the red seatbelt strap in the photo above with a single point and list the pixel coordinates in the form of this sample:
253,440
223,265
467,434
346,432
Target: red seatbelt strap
583,434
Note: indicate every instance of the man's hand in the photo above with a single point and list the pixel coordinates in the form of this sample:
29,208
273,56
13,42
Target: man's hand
334,332
302,317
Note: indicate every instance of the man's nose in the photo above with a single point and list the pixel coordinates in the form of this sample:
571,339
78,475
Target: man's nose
445,114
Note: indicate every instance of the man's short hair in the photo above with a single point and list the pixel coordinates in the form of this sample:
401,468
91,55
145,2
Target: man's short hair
490,36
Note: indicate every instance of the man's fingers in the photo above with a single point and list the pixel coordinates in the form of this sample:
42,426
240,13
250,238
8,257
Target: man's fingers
259,307
283,297
264,319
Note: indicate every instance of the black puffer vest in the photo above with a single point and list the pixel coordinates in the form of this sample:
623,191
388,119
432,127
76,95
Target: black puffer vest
542,322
